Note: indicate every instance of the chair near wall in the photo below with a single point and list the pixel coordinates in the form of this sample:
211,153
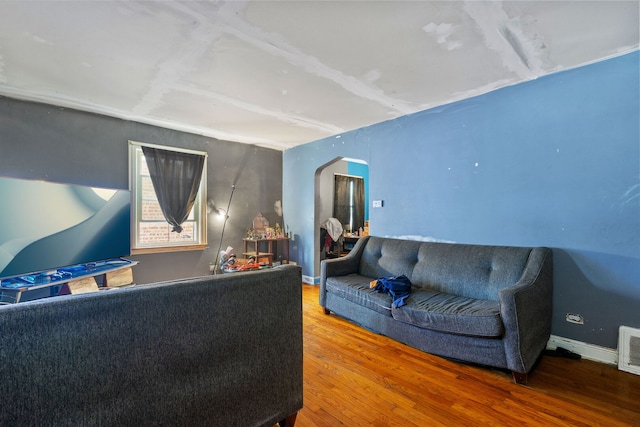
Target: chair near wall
331,239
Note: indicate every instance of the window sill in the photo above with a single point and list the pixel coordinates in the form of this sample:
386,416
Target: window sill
165,249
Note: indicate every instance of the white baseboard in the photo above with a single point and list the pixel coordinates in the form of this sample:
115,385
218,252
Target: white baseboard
586,350
310,280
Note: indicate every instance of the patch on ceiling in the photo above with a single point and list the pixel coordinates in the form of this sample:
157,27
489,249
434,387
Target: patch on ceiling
530,48
372,75
442,32
38,39
521,49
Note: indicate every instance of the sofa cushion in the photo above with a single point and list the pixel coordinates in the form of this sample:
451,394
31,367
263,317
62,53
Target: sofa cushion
472,271
442,312
382,257
355,288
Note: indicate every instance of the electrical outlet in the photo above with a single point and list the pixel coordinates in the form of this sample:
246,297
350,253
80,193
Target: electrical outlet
212,268
575,318
378,203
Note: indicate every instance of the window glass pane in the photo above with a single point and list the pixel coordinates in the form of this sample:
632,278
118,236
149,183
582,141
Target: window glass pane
143,170
151,211
160,232
187,235
148,193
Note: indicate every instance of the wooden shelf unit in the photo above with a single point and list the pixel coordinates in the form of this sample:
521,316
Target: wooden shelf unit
271,249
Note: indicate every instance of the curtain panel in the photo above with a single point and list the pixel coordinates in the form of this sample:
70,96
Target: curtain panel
176,180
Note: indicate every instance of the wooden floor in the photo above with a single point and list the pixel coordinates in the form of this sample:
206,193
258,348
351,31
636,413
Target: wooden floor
353,377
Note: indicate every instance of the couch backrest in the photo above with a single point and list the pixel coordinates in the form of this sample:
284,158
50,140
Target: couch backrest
474,271
190,352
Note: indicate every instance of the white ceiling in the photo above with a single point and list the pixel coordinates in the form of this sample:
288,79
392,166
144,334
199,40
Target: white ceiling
282,73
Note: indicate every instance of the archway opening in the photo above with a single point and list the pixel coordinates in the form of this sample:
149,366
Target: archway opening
325,187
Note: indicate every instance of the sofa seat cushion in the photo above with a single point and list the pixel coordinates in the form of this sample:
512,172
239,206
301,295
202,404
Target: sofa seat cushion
442,312
355,288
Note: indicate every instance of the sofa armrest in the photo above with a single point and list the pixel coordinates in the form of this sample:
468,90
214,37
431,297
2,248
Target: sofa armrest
348,264
526,310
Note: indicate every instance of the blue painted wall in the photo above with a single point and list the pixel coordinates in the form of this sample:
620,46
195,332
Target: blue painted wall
551,162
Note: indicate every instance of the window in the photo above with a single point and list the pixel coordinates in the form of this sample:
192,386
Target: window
150,230
348,201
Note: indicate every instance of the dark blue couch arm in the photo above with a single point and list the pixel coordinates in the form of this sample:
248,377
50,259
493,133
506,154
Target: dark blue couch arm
348,264
526,311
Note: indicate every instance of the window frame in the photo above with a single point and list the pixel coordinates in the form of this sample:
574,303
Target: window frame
199,209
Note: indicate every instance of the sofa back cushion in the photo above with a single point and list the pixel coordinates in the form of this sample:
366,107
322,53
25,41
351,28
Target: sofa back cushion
382,257
473,271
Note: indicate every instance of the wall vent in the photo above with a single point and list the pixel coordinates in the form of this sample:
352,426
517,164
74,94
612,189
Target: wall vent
629,350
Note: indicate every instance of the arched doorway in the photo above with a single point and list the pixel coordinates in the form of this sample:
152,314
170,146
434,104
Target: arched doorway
324,195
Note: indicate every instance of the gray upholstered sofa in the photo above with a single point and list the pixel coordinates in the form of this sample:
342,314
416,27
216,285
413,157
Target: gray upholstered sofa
489,305
217,350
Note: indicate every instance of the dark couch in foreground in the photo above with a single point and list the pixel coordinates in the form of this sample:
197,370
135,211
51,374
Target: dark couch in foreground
217,350
489,305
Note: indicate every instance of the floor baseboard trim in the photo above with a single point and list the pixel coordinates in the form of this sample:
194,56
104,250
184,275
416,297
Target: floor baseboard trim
586,350
308,280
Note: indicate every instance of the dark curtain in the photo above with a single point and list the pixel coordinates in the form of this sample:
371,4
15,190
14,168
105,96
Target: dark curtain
346,208
176,179
341,200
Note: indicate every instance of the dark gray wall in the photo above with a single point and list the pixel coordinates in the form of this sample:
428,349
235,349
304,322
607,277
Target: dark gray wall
39,141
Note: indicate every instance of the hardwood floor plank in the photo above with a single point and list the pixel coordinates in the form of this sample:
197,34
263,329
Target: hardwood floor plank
354,377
